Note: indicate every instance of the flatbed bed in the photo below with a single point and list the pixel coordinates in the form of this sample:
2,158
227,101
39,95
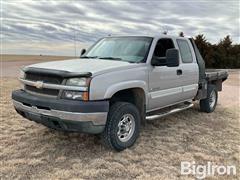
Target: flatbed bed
216,74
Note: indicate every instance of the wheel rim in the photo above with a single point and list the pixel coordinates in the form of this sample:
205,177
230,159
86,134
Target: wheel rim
212,99
126,127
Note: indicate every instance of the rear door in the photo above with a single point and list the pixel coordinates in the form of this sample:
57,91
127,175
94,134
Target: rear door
189,68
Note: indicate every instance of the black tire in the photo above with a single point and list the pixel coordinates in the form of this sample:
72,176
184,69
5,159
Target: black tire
110,136
206,105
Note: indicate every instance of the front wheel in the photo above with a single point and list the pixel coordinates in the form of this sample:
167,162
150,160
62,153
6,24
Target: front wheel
209,104
122,127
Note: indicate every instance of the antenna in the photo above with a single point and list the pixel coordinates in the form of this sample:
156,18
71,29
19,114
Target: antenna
75,43
165,30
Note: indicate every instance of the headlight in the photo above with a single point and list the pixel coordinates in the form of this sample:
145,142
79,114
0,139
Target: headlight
75,95
78,82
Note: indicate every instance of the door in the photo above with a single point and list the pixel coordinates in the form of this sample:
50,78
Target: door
189,67
165,86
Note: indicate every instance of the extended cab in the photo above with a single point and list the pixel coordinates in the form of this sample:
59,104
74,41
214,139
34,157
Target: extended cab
118,84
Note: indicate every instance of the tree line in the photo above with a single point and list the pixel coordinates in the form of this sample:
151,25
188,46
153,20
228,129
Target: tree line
224,54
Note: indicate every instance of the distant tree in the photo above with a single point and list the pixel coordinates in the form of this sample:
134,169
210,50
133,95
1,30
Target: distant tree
221,55
202,44
205,48
224,48
235,54
226,42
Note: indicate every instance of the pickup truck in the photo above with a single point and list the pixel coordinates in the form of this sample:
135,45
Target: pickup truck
117,85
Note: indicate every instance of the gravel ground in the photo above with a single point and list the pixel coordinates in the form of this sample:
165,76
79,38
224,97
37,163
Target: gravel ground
32,151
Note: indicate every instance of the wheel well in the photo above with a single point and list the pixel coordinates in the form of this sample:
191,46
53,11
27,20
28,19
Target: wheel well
135,96
217,83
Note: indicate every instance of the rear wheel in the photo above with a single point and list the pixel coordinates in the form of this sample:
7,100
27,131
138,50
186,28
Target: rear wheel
209,104
122,128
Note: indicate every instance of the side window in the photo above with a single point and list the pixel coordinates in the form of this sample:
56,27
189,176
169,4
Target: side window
185,51
161,48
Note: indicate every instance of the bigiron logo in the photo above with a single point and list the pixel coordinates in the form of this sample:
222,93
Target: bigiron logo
209,169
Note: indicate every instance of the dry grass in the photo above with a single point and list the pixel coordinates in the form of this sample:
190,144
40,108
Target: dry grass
29,150
11,57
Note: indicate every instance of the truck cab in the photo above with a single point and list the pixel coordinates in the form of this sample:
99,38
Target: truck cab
117,85
172,83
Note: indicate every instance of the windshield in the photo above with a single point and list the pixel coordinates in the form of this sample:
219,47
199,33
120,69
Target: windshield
130,49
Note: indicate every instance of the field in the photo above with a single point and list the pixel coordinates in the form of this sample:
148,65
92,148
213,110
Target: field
34,58
10,64
29,150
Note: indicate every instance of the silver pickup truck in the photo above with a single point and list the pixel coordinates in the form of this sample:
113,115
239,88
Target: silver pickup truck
117,85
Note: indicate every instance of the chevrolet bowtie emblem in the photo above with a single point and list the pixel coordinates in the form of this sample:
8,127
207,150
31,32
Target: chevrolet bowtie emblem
39,84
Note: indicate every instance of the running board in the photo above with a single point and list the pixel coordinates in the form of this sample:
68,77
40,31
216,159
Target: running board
179,108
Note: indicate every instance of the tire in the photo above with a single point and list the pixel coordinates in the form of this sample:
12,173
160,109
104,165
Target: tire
120,113
209,104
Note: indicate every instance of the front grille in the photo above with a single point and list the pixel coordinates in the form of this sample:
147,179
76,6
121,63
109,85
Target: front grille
50,92
51,79
44,77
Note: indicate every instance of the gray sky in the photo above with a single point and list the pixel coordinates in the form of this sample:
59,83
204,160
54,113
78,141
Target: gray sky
48,27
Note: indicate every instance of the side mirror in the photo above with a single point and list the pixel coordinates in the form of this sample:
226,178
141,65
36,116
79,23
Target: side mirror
158,61
83,52
172,58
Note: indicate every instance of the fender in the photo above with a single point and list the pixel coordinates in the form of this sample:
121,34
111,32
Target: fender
125,85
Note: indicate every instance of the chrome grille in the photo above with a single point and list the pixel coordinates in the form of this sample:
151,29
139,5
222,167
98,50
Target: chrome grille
44,77
50,92
51,79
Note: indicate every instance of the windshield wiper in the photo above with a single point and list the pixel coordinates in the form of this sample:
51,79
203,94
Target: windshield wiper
88,57
111,58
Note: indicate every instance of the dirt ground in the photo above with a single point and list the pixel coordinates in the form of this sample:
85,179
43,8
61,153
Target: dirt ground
32,151
10,64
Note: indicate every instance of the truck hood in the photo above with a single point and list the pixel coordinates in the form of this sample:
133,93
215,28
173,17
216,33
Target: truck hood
94,66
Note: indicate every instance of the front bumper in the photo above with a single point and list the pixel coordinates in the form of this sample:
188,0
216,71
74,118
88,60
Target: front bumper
61,114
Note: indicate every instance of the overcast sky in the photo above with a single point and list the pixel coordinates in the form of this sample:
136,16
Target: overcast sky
49,27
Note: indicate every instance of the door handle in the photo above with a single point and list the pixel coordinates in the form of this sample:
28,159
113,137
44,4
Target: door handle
179,72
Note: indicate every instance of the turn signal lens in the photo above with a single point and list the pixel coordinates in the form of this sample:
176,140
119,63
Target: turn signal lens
85,96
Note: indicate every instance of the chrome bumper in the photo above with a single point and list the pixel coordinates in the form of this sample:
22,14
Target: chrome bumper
98,118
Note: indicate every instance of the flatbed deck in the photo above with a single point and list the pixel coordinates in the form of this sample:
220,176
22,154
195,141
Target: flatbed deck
216,74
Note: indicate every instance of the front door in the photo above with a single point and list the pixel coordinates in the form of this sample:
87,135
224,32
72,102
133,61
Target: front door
164,82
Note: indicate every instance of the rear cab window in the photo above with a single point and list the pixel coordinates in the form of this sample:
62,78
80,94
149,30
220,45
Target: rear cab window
185,51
